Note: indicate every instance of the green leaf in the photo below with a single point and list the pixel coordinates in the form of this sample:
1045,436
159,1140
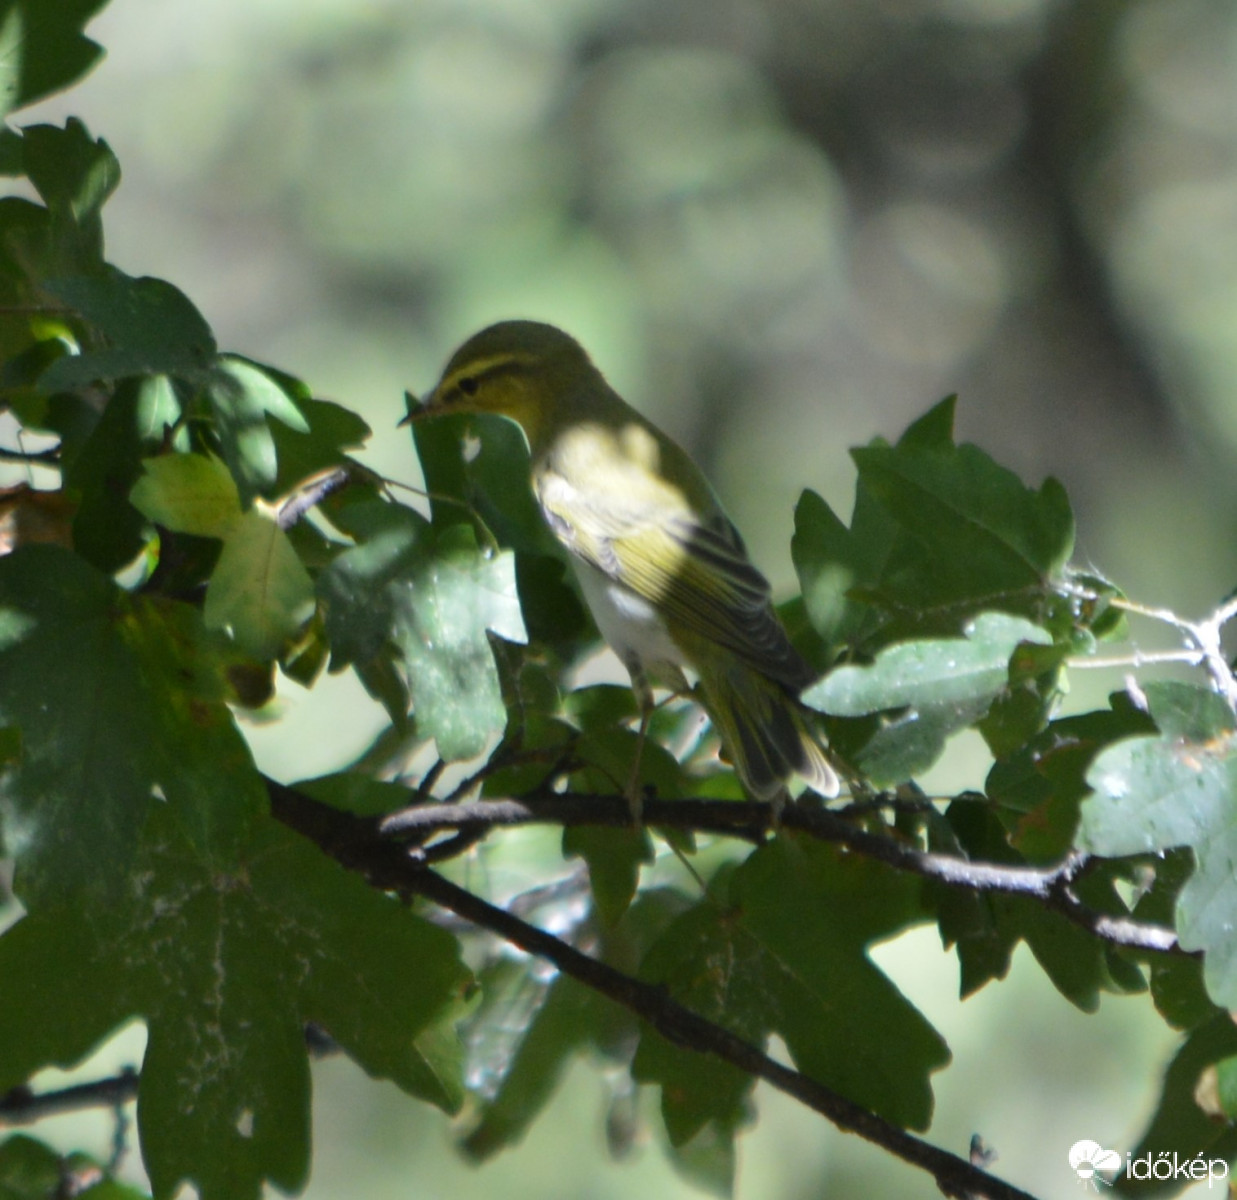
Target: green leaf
945,685
477,472
478,463
242,395
783,951
1179,1126
549,1023
259,591
72,172
226,968
713,966
188,493
357,793
830,561
122,704
987,927
921,674
43,49
614,858
442,619
552,607
107,529
145,327
939,532
436,597
607,753
1154,793
983,532
330,429
29,1170
815,910
1187,711
75,175
708,1160
1226,1085
1177,984
10,143
1038,789
532,1023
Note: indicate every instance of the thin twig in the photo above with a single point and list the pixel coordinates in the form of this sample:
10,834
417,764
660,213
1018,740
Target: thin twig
23,1106
753,821
954,1176
354,842
1138,658
1205,637
310,495
49,457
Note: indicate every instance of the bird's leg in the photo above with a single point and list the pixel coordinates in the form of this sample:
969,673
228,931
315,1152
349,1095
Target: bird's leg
776,805
633,791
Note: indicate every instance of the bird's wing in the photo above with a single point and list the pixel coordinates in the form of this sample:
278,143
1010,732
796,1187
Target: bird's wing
696,572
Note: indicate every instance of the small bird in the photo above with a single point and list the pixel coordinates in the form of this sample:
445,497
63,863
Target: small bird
662,568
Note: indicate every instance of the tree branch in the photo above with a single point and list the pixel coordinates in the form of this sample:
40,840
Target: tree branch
49,457
357,843
22,1106
753,821
311,493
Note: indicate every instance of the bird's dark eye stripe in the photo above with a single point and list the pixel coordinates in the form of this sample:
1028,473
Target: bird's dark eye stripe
470,384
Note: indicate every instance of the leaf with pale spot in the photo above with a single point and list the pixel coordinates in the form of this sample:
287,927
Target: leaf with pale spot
226,965
1151,794
931,688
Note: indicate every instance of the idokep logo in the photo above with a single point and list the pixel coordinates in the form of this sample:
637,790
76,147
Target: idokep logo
1090,1158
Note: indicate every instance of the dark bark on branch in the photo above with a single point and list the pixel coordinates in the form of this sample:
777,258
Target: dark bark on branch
359,844
752,822
22,1106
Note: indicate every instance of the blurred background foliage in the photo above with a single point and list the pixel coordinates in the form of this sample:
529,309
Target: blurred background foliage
782,227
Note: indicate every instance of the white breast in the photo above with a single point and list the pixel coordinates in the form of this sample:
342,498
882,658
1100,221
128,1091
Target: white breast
629,623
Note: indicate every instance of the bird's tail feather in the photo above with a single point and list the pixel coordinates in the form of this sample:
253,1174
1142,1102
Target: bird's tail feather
764,732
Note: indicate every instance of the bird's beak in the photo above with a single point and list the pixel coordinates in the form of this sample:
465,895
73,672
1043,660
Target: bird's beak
416,409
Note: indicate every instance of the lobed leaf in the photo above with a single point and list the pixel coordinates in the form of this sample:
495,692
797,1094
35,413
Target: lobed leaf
145,326
942,686
188,493
226,965
43,49
780,947
1155,793
122,706
435,597
242,395
259,591
939,532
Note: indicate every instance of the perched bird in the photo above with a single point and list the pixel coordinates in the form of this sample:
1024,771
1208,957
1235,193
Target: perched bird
663,569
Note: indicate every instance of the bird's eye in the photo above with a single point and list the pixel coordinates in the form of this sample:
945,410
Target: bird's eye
469,385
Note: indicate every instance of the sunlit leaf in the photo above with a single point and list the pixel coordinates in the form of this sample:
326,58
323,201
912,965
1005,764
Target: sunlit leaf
259,591
941,686
188,493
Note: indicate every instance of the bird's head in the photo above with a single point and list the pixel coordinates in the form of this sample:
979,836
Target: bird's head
531,372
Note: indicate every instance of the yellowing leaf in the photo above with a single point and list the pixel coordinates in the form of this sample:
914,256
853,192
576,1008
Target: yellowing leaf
259,591
188,493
